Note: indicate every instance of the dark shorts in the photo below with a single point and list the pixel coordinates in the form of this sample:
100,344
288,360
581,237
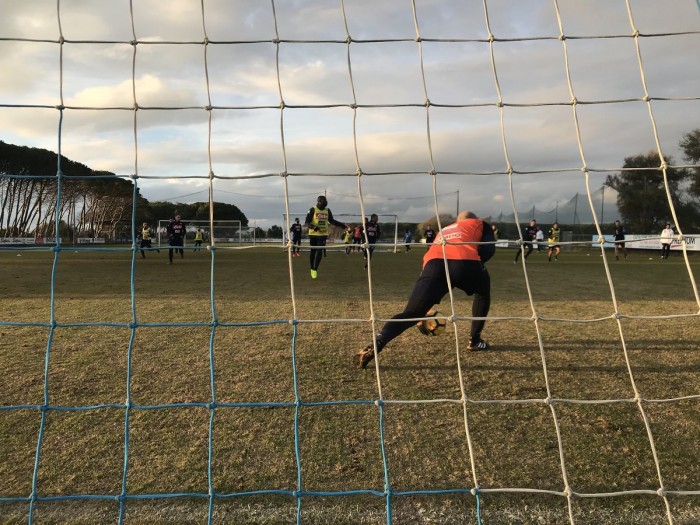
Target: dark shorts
176,242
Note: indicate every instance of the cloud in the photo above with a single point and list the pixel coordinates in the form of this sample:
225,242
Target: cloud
251,135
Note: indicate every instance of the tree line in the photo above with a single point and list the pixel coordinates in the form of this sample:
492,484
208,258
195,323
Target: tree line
97,203
642,198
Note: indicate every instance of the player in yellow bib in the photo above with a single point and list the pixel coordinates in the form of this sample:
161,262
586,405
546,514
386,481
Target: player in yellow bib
198,237
347,239
146,238
317,221
553,238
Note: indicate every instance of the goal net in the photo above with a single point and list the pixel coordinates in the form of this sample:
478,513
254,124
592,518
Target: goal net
221,391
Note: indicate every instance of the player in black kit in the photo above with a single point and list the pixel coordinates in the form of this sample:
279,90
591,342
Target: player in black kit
176,233
619,233
295,234
372,232
429,235
529,235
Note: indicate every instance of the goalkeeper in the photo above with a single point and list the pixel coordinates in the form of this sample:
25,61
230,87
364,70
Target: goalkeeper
465,262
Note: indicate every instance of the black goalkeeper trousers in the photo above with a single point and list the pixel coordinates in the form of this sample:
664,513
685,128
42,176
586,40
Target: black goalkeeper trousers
469,276
316,254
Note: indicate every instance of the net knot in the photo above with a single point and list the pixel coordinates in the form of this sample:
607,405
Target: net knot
491,38
474,491
419,39
432,173
661,492
60,107
646,98
211,248
276,41
208,107
601,240
61,40
636,33
548,401
348,39
212,405
282,104
133,325
133,176
379,402
134,42
584,168
358,172
136,106
284,174
617,315
663,164
562,37
574,101
205,41
427,103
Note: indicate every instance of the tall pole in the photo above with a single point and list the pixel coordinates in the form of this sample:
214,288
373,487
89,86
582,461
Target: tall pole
602,204
457,215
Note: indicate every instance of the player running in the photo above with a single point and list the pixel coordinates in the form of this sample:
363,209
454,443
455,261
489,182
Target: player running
529,236
146,239
317,221
553,239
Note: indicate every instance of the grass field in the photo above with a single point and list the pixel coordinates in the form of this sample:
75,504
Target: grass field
605,446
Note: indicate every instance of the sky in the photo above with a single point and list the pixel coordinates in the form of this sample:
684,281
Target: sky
316,135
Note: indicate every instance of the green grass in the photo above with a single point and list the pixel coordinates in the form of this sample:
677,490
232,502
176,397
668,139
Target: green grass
605,445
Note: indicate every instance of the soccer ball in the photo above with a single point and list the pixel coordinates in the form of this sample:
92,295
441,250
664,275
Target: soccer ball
432,326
